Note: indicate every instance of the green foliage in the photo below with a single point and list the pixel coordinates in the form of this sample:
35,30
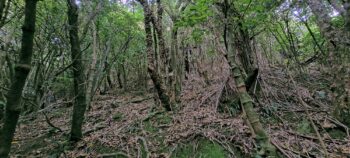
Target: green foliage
196,13
197,35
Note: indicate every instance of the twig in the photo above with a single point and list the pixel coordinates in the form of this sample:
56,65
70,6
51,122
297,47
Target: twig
340,124
144,144
280,149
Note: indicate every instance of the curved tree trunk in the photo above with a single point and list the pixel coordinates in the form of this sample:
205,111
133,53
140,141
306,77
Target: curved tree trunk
22,69
78,73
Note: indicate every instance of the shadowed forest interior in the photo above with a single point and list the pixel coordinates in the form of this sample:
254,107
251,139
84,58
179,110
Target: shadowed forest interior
175,78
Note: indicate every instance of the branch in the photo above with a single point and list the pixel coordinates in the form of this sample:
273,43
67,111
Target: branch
50,124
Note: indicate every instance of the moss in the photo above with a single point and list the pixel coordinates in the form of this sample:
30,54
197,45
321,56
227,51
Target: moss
118,116
202,148
149,127
304,127
337,134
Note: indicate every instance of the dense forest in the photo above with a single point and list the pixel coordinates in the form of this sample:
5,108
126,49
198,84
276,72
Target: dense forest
175,78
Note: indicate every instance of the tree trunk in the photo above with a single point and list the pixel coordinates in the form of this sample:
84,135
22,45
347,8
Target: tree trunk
347,16
156,78
173,74
158,25
2,6
22,69
92,72
242,43
78,73
253,118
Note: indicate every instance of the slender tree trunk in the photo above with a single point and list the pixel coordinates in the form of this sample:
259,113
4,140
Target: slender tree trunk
123,72
173,81
92,72
2,9
119,78
22,69
314,38
347,16
158,25
78,73
187,54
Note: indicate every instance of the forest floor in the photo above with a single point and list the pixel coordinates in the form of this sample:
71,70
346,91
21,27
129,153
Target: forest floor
207,123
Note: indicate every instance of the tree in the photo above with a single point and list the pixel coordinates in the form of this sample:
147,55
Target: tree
22,69
80,102
155,76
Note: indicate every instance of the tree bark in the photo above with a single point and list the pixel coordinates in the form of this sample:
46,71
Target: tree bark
78,73
22,69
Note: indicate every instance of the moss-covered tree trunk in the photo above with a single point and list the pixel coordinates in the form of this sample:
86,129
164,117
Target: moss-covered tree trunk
156,78
78,73
245,51
252,116
22,69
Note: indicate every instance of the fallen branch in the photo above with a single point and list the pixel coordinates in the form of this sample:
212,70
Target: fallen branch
143,143
139,100
98,127
47,119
